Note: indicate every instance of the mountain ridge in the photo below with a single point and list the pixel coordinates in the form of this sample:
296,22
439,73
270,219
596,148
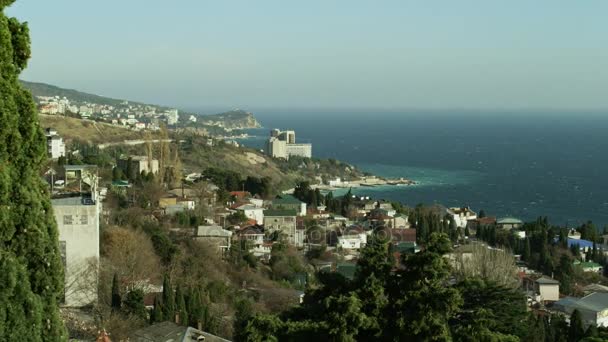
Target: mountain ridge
232,119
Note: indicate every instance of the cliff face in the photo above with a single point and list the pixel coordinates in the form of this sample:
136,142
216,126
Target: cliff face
236,119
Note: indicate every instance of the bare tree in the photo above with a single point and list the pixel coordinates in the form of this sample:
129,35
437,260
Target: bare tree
130,254
490,264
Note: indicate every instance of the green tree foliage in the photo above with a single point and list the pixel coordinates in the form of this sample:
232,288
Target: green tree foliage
156,315
180,306
259,186
412,303
32,272
134,304
576,331
225,179
421,304
168,303
488,308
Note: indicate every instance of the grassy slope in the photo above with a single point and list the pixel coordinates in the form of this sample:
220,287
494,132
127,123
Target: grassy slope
93,132
239,160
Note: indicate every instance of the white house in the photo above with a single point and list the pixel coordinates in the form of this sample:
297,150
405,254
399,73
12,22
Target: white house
353,238
461,215
252,212
547,289
215,235
54,143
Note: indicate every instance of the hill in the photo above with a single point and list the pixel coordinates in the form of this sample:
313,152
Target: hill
43,89
101,108
88,131
234,119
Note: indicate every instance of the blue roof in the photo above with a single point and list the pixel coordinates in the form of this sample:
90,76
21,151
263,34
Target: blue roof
581,243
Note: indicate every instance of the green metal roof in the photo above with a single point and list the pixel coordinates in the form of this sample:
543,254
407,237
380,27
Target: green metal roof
406,247
120,183
286,199
279,212
587,264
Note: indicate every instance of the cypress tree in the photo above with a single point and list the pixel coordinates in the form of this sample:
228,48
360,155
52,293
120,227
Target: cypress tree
116,300
180,306
576,331
168,300
526,254
157,313
32,272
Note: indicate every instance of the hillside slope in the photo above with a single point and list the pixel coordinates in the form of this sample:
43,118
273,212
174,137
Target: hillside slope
87,131
43,89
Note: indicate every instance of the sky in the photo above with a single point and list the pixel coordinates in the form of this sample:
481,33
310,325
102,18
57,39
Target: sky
482,54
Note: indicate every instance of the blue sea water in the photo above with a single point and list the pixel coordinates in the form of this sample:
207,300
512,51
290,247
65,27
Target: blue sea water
507,163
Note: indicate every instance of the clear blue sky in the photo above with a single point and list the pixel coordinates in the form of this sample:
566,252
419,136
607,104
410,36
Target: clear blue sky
325,53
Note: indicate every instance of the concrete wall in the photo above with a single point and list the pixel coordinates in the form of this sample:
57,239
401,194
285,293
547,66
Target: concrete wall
549,292
79,237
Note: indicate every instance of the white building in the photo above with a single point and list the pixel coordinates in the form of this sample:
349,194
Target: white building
461,215
54,143
253,212
215,235
353,238
78,224
172,116
282,144
547,289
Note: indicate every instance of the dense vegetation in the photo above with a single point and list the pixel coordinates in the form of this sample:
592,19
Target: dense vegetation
413,302
545,248
31,274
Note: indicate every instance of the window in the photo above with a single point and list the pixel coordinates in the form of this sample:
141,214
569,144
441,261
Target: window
84,219
67,219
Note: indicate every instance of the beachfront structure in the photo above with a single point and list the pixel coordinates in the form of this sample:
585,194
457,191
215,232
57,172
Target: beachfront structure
282,144
54,143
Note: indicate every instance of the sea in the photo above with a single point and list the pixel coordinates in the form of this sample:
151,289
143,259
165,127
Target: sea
518,163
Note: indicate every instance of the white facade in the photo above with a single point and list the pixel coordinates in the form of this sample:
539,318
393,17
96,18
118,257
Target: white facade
78,225
282,144
299,150
461,216
54,143
172,116
352,241
253,212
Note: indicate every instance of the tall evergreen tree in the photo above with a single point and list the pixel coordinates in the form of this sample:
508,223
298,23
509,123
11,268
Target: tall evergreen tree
32,273
157,314
168,303
576,330
180,306
116,300
134,304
